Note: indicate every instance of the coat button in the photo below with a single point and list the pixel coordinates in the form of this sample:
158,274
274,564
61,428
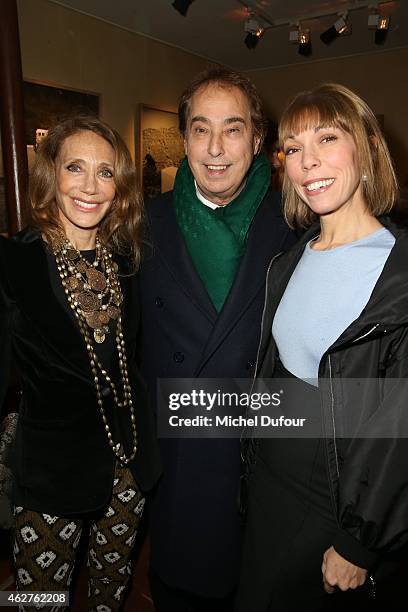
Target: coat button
159,302
250,364
178,357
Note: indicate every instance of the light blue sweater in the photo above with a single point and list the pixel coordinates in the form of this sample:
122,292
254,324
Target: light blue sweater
326,292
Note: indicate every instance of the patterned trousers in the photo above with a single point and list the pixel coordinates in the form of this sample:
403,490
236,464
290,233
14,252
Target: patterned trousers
45,547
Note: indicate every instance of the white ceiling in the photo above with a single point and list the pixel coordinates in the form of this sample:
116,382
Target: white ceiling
214,29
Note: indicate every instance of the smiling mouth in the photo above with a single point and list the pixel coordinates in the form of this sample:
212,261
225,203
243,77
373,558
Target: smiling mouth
216,168
319,186
85,205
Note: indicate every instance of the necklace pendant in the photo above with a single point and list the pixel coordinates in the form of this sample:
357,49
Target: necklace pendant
72,283
99,335
87,300
96,279
71,254
81,266
113,312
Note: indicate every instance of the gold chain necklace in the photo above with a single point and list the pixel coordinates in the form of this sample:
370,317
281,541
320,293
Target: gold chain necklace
96,292
109,298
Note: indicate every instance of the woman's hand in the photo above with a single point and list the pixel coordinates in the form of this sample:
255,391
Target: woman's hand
337,571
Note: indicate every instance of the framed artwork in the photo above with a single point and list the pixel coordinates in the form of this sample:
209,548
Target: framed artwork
45,106
160,150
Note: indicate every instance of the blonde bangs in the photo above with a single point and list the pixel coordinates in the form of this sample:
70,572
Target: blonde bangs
307,115
334,105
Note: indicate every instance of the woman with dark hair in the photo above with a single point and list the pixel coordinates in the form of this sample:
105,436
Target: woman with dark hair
325,512
85,446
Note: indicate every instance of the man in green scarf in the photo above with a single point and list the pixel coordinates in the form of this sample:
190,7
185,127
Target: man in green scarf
202,298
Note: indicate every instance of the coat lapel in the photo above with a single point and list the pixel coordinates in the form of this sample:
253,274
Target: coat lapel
266,238
29,268
169,242
131,305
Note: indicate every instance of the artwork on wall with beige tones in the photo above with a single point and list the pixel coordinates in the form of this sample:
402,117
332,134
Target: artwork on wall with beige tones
44,107
160,150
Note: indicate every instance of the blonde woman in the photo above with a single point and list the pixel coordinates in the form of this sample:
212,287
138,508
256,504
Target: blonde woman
325,512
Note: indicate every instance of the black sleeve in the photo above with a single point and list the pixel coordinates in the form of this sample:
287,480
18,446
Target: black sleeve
373,483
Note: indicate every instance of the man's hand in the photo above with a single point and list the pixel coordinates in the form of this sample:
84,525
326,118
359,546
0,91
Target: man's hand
339,572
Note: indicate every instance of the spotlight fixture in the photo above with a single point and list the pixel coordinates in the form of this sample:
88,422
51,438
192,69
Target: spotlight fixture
301,37
305,44
381,30
182,6
254,32
251,40
337,29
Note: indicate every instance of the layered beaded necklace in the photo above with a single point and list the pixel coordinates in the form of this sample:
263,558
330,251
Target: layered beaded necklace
95,296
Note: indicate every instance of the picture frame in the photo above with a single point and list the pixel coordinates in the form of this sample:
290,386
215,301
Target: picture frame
45,105
160,149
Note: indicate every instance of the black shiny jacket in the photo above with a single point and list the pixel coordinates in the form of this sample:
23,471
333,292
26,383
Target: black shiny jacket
368,475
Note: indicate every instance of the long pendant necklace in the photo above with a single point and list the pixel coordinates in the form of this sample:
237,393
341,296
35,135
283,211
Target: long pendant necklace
93,311
96,292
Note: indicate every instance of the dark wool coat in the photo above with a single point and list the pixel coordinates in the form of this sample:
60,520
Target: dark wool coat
196,528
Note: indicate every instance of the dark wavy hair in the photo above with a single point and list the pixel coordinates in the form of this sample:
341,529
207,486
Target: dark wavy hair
224,77
121,228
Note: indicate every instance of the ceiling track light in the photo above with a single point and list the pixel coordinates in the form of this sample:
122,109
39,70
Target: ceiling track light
338,28
380,23
254,32
251,39
182,6
257,22
305,44
301,37
381,30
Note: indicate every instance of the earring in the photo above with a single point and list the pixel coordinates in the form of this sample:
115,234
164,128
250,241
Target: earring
364,177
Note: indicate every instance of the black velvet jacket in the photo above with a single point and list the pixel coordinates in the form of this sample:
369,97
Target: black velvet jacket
63,463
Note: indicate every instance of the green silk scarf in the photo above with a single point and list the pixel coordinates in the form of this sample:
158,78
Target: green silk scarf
216,238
